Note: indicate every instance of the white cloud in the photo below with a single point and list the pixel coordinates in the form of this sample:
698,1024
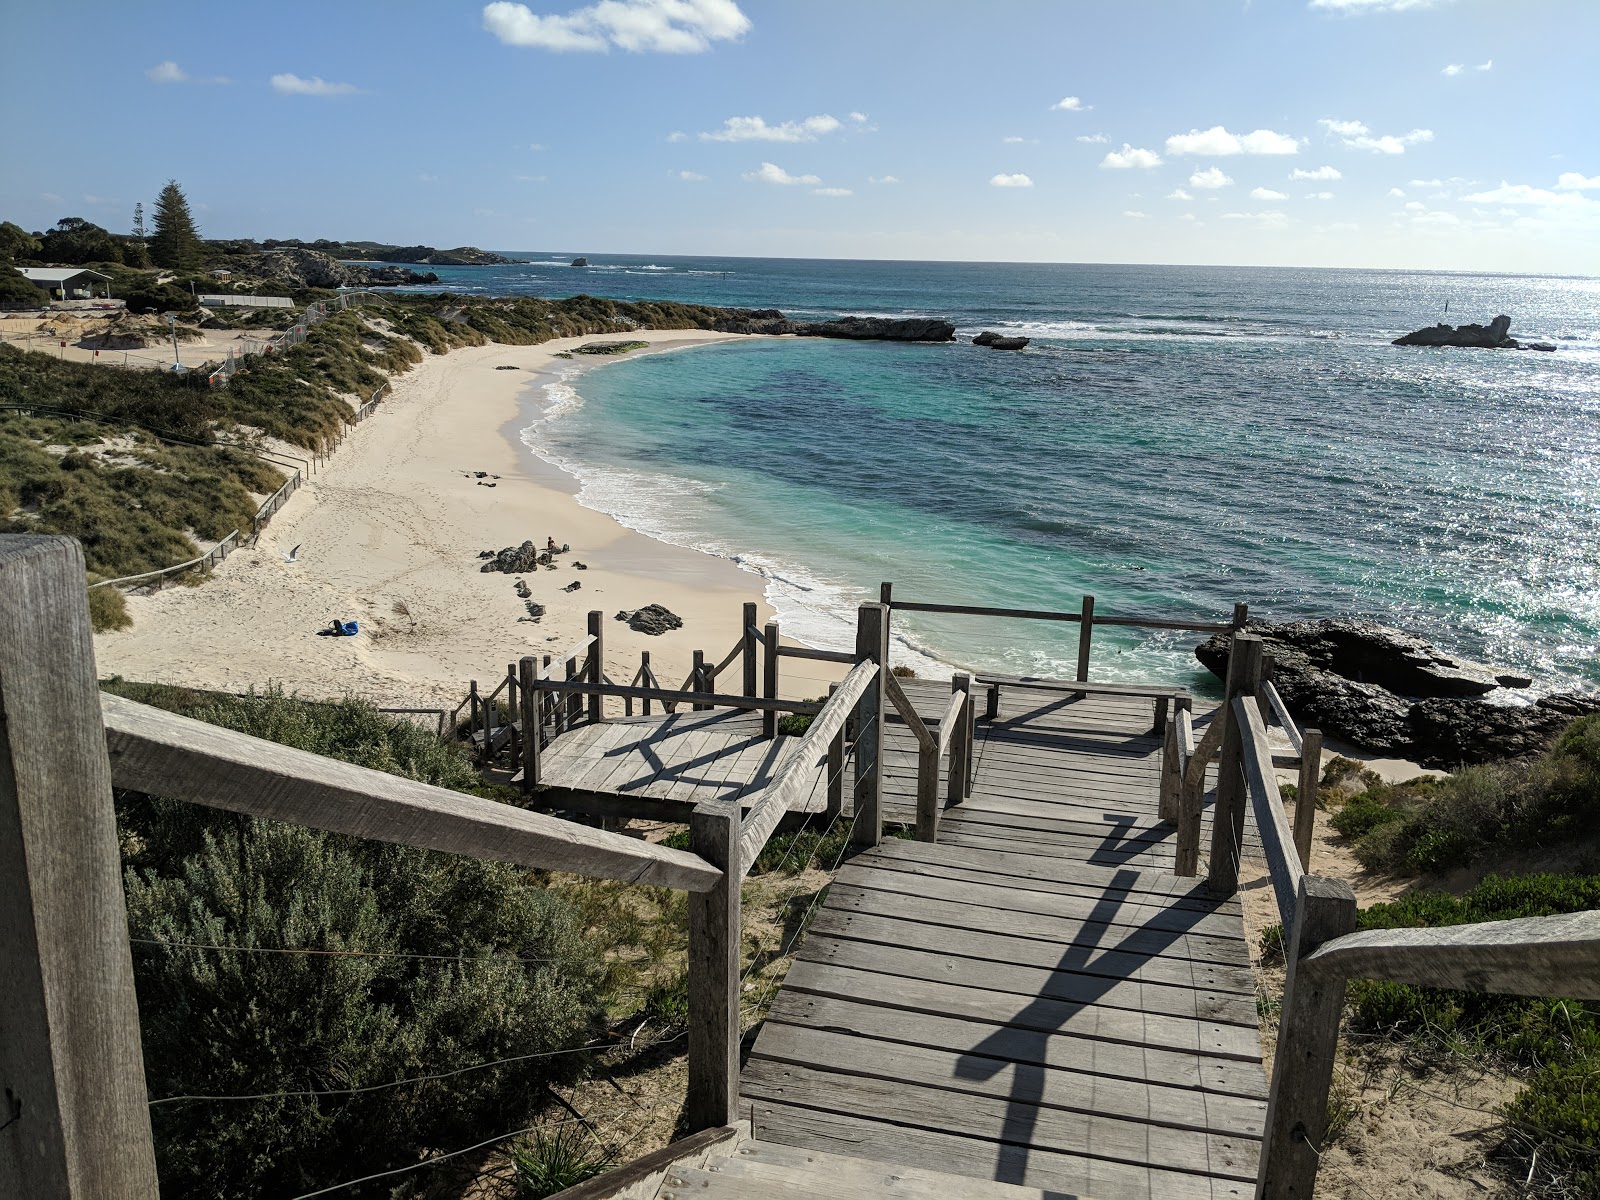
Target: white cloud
1357,136
537,146
1453,69
1356,7
754,129
832,191
167,72
1129,156
1179,194
1070,104
1487,65
677,135
1522,193
772,173
1093,139
1416,206
293,85
1128,212
691,177
1397,194
1211,177
1217,142
882,179
1321,173
1572,181
1267,220
1262,193
860,118
639,26
1319,195
1011,181
1012,141
530,178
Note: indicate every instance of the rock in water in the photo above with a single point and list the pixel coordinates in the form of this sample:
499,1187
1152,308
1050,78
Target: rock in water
653,619
514,560
883,329
984,338
1495,337
580,262
997,341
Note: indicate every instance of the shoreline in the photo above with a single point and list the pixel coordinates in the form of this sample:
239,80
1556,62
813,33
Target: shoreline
390,530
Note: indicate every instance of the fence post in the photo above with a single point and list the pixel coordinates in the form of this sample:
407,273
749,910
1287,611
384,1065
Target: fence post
472,717
872,645
1167,808
1227,816
960,746
646,676
1241,615
769,678
697,679
514,714
572,702
1308,1038
70,1060
714,940
597,668
1085,637
835,777
1305,796
532,722
748,635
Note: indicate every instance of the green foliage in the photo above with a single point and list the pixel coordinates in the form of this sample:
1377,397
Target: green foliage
74,242
1363,813
796,724
175,243
148,296
17,292
528,980
611,347
108,610
1341,770
547,1163
16,243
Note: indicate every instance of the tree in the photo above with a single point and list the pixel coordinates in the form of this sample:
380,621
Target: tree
176,242
16,242
139,230
74,241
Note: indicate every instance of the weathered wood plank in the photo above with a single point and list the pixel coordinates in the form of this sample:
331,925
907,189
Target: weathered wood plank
769,1171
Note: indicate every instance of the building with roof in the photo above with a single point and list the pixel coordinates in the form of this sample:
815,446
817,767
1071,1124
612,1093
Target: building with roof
68,283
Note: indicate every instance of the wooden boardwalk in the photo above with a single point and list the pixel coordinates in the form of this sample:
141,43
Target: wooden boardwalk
1035,999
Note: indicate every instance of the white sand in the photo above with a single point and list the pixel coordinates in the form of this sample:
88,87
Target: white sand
390,531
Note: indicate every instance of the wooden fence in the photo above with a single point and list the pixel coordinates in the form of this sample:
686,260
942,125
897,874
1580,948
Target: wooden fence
1537,956
78,1126
316,311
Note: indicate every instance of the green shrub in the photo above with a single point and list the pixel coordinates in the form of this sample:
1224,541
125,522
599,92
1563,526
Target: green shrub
1362,814
547,1163
147,296
108,610
796,724
528,979
18,292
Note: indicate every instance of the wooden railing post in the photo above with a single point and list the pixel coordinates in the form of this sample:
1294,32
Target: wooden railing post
572,704
769,677
748,634
714,940
1241,615
698,675
1167,806
532,722
644,668
1308,1037
1227,816
1305,796
872,645
597,665
70,1061
1085,637
960,743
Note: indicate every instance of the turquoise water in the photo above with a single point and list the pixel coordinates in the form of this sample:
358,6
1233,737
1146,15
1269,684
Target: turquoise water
1174,440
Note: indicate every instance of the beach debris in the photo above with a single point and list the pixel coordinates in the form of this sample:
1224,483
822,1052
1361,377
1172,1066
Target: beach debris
485,483
513,560
480,474
996,341
1495,336
507,367
573,586
578,566
653,619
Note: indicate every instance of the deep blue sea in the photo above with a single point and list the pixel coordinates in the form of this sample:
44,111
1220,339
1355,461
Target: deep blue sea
1173,440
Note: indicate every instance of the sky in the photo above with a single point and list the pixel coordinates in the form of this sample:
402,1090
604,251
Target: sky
1434,134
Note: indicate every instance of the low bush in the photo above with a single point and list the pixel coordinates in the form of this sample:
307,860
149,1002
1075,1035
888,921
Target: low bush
108,610
548,1162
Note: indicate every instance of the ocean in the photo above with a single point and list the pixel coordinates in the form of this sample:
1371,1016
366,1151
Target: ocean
1175,439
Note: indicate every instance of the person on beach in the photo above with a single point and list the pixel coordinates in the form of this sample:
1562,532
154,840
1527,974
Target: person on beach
550,546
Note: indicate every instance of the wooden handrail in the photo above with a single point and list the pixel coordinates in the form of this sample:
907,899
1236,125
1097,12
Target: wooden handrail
738,649
164,754
790,777
1281,711
1034,614
907,711
1266,803
584,687
948,722
835,656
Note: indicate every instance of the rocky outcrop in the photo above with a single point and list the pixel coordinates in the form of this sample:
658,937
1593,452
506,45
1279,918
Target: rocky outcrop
653,619
514,560
580,262
300,268
461,256
997,341
877,329
1494,336
1390,692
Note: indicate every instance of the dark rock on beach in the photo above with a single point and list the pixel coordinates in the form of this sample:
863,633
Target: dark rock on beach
514,560
1494,336
653,619
1390,692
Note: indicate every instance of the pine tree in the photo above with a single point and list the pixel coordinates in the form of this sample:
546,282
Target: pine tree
176,242
139,230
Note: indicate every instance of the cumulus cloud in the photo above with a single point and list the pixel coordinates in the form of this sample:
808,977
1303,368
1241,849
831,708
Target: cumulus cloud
882,179
832,191
1487,65
1211,177
1267,220
691,177
1522,193
638,26
293,85
1093,139
1129,212
1179,194
860,118
1018,180
1070,104
1217,142
1319,195
1572,181
167,72
772,173
754,129
1130,156
1397,193
1321,173
1357,136
1356,7
1262,193
1453,69
677,135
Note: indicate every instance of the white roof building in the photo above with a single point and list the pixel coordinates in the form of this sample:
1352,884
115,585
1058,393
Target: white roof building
71,282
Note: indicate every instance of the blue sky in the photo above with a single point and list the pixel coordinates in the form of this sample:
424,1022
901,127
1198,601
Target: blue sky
1458,134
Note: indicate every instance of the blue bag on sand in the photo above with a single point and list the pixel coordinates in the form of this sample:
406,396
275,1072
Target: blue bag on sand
351,629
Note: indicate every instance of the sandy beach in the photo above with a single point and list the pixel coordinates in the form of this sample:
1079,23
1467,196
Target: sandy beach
389,533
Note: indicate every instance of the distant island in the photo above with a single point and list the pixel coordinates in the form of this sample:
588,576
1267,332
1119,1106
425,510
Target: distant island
427,256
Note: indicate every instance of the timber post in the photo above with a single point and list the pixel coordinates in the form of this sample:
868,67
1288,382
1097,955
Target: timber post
514,712
1085,637
1308,1038
769,677
472,713
597,665
1305,795
747,634
1241,615
532,722
872,645
1167,806
70,1059
960,742
1227,816
572,706
646,675
714,941
698,676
